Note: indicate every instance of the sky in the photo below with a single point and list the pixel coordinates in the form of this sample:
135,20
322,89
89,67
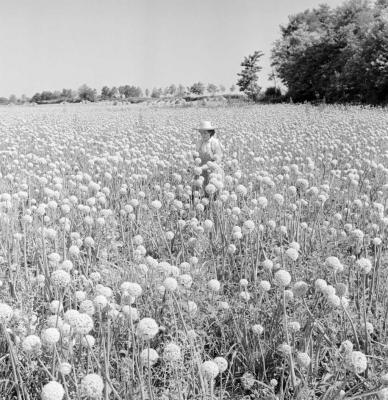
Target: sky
52,44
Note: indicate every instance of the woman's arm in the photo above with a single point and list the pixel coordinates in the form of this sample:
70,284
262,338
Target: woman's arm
216,150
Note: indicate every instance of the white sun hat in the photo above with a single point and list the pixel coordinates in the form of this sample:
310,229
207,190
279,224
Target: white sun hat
206,126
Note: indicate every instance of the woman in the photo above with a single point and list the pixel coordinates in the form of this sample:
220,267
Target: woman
210,153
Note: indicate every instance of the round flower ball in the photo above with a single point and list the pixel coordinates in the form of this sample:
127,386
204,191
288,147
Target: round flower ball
64,368
288,295
6,313
303,359
210,189
265,286
320,285
210,369
71,317
232,249
334,263
382,394
346,346
248,226
147,328
295,245
245,295
384,379
191,308
80,295
92,386
87,307
247,381
95,277
60,278
214,285
156,205
221,363
356,361
100,301
133,289
285,349
88,341
185,280
32,344
257,329
194,260
67,265
223,305
267,265
364,265
282,278
243,283
56,307
292,254
328,290
208,225
131,312
83,324
300,289
149,357
170,284
50,336
172,352
333,300
273,382
52,391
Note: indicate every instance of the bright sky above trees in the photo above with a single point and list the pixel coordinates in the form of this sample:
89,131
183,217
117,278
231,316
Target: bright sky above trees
51,44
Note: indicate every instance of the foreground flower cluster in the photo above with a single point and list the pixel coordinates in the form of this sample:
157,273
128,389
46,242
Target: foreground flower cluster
121,279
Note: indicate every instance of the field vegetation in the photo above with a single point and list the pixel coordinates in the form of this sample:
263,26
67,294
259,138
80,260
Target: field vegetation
121,279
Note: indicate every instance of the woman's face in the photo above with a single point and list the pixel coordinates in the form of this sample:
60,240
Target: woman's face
205,135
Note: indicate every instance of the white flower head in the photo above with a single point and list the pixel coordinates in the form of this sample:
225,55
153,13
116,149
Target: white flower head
147,328
210,369
52,391
92,386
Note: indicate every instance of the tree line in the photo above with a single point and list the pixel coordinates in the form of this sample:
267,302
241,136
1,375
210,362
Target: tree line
338,55
86,93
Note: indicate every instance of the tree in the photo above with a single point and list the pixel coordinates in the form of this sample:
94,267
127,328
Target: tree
166,91
68,94
212,89
87,93
181,91
121,91
222,88
46,95
156,93
197,88
248,81
339,55
172,89
232,88
36,98
56,95
128,91
12,99
105,93
114,93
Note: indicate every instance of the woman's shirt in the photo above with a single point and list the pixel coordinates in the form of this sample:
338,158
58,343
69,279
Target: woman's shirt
210,150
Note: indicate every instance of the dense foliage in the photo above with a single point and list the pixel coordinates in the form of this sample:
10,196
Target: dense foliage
248,76
338,54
